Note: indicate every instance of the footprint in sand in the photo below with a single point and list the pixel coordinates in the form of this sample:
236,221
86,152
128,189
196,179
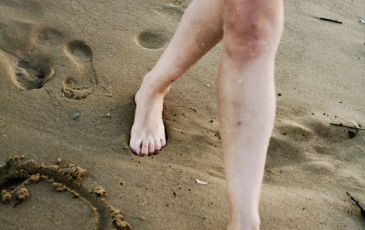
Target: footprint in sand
283,148
30,71
85,83
171,12
153,40
63,180
36,53
28,76
150,39
292,143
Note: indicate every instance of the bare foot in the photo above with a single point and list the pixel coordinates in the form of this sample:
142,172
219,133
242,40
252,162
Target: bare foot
148,131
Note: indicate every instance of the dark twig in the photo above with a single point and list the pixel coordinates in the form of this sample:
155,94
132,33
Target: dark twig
358,205
341,125
330,20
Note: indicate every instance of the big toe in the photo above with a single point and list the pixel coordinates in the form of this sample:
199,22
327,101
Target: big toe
135,146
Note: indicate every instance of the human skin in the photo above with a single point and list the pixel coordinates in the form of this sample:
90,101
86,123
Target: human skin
205,30
251,32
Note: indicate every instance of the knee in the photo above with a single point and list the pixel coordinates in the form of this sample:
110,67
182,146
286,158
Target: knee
252,25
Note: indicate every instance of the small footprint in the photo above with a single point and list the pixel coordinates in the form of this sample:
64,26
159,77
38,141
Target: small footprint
85,82
171,12
152,39
63,180
283,152
80,50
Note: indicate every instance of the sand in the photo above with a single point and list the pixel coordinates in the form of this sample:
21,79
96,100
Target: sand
68,73
69,179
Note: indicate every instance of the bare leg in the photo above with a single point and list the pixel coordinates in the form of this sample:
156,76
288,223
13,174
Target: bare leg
200,29
246,94
246,101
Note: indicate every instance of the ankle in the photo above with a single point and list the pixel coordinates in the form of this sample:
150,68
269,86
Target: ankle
244,226
155,84
244,222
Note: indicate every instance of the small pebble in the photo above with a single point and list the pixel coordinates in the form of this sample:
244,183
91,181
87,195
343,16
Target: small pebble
59,161
76,116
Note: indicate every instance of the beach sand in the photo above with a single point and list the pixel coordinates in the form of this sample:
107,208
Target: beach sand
68,74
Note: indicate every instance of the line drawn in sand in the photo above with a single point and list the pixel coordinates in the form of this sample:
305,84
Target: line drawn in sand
66,179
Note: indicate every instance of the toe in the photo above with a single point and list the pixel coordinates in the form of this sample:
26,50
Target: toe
158,145
151,148
133,151
163,142
134,146
144,149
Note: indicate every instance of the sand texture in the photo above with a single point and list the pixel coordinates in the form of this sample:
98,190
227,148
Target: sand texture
68,74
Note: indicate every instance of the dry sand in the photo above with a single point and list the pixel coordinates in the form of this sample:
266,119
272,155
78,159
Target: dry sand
68,73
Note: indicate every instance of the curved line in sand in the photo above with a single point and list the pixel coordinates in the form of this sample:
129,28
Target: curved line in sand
67,179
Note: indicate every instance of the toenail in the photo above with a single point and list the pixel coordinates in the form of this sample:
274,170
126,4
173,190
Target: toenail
133,151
